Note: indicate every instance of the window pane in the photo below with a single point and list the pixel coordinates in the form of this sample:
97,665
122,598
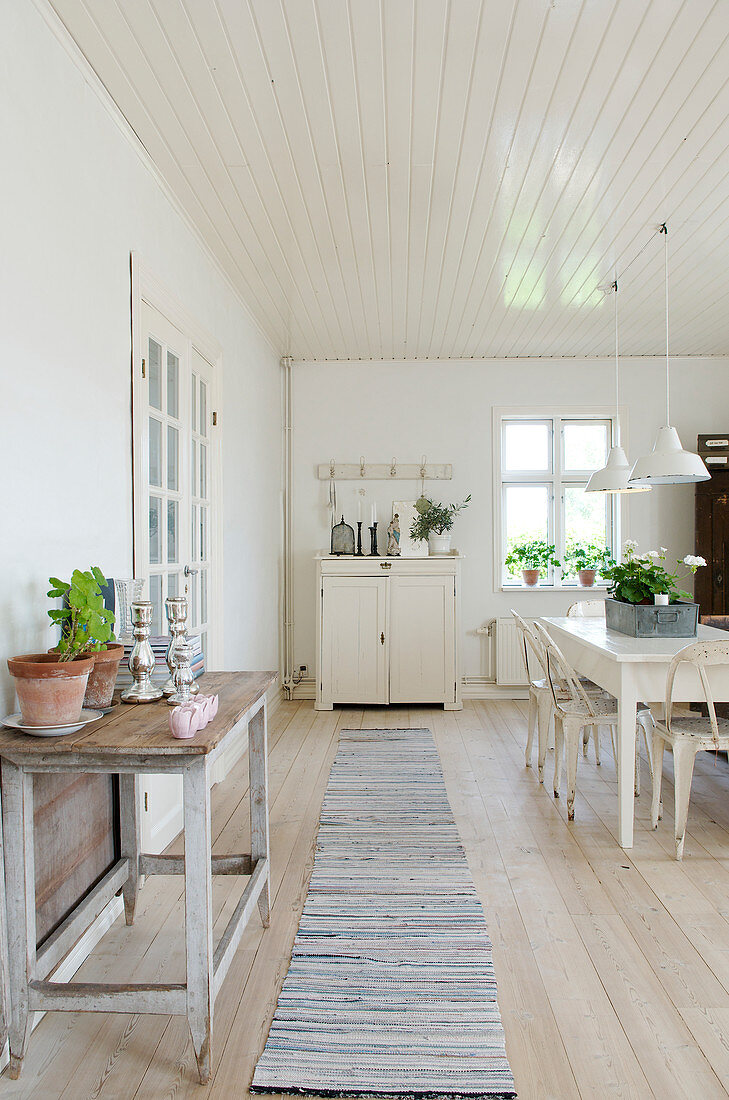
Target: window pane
155,535
173,373
173,458
203,491
155,374
526,446
203,409
526,516
585,446
155,452
155,596
585,517
171,530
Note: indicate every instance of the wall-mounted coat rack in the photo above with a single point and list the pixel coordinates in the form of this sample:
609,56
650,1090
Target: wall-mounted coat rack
384,471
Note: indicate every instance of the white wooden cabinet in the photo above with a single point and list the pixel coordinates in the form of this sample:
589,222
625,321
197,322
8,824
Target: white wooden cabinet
387,631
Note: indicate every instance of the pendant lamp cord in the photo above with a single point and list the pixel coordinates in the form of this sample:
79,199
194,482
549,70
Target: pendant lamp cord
617,370
664,230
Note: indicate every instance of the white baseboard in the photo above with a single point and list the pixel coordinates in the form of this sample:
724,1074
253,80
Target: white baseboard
472,687
77,956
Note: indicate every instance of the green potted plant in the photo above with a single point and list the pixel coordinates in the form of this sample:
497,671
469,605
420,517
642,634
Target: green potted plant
87,630
530,558
639,589
586,560
434,523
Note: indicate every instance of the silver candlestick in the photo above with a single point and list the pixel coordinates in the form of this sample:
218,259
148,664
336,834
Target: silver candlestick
176,607
141,659
183,678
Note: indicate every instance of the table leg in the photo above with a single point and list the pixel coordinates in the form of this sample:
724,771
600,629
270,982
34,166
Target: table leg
4,972
130,839
258,778
17,792
199,914
627,704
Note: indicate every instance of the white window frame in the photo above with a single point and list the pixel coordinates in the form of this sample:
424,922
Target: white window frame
555,417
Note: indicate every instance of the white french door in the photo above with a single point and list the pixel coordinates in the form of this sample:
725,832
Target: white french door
176,509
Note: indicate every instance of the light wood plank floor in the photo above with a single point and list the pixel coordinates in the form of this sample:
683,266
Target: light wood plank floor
613,967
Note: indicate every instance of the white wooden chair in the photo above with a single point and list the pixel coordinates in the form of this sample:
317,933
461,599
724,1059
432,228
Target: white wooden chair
576,710
586,609
687,735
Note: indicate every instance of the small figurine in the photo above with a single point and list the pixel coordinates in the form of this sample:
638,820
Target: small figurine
393,537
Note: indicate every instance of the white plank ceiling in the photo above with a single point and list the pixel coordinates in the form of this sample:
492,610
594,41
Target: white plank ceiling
440,178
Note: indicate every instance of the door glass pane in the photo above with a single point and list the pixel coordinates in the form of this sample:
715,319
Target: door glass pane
155,534
155,595
193,409
173,374
193,469
155,452
193,601
585,446
203,534
173,458
204,641
171,530
172,584
194,544
585,517
526,446
155,374
203,408
204,596
526,517
203,491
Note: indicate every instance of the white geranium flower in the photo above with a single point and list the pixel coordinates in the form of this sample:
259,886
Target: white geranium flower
694,561
653,554
631,544
664,550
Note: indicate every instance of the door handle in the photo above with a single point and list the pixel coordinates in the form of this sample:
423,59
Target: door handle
718,579
191,572
385,565
382,638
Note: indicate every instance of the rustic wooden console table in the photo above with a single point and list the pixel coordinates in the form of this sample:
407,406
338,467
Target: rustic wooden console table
129,741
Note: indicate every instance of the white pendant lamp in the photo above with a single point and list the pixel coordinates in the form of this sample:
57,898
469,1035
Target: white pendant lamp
613,477
668,463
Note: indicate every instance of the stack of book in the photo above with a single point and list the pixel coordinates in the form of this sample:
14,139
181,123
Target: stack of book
160,645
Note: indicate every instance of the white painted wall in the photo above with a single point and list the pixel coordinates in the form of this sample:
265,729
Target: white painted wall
444,409
76,198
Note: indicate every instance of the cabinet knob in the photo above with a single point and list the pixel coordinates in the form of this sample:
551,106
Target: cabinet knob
385,565
382,638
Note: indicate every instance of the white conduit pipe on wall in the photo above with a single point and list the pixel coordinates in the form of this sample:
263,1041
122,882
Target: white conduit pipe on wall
287,593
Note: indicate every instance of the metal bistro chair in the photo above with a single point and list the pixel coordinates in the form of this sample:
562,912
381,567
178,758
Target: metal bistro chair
586,609
575,710
687,736
540,696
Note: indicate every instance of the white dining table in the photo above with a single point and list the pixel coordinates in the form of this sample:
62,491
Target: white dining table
633,670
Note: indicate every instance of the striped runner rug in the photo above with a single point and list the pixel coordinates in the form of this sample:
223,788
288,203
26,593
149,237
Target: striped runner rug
391,989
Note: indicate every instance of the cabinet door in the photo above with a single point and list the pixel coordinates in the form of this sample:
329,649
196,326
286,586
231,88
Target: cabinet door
354,640
422,639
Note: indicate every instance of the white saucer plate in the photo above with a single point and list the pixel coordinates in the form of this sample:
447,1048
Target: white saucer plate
15,722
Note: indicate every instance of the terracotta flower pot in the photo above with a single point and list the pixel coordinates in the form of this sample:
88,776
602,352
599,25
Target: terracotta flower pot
586,577
530,577
50,692
102,679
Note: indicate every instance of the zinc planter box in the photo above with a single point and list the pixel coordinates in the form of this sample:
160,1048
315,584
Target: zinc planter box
647,620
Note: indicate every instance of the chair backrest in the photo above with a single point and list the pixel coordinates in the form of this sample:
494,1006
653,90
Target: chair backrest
586,609
562,678
701,655
530,643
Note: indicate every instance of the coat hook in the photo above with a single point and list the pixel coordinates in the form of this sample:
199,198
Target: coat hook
393,469
361,466
422,466
331,468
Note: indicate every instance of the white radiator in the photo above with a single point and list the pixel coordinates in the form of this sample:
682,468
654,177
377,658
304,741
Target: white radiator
509,660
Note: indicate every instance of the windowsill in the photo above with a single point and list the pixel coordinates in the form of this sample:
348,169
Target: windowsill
571,589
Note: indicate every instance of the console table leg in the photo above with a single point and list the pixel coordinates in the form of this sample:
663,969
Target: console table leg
258,776
17,791
199,914
4,972
130,839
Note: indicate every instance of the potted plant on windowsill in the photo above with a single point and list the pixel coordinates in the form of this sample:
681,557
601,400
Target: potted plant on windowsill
434,523
643,597
586,560
530,559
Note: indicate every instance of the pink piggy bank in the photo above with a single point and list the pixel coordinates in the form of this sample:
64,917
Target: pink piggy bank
185,721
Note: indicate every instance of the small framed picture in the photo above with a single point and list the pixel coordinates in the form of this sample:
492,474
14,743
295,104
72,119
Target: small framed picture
405,511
